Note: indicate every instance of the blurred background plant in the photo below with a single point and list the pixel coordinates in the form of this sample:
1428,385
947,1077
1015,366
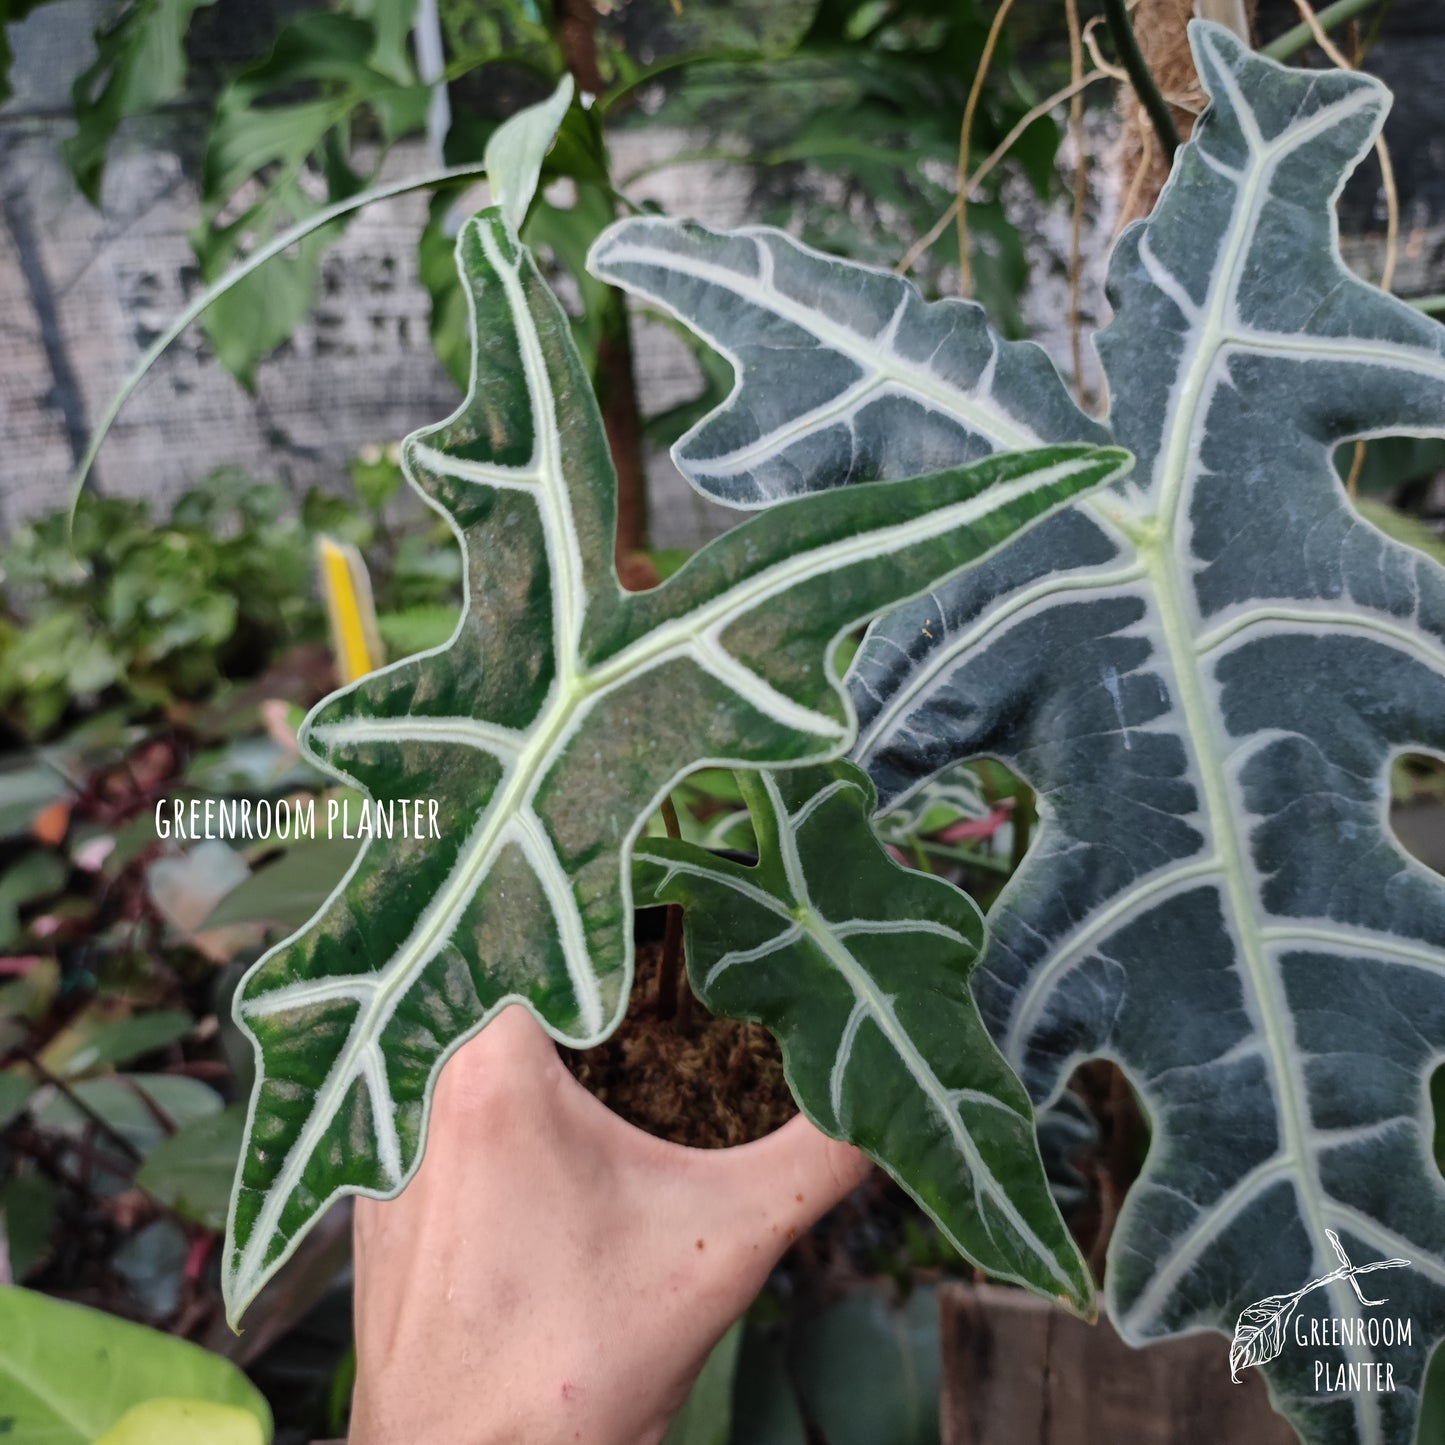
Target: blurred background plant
171,650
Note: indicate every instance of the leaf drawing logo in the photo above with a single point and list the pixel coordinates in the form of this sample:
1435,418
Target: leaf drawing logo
1263,1327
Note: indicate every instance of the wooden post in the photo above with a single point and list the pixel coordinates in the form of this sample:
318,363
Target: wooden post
1017,1371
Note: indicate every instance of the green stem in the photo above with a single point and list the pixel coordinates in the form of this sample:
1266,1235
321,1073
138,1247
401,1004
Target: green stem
1300,37
1142,78
254,261
970,856
669,966
1428,304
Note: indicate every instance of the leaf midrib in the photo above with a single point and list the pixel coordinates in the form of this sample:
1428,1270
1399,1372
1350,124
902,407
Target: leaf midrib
565,700
999,429
1206,733
679,633
881,1012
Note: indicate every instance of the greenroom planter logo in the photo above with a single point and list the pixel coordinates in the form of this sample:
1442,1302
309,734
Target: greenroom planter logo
1268,1325
290,819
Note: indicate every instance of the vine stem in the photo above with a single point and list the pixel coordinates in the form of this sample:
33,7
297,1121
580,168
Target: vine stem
1116,13
986,167
965,143
669,967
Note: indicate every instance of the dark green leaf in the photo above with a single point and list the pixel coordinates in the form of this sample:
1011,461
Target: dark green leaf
861,968
128,1105
1205,674
27,1221
765,1404
93,1047
25,789
706,1417
15,1092
30,877
869,1372
261,129
289,891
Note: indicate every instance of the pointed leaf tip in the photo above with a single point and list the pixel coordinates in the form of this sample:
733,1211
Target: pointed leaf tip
515,152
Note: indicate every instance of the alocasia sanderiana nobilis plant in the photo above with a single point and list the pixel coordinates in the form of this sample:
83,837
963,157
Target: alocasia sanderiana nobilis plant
549,727
1204,671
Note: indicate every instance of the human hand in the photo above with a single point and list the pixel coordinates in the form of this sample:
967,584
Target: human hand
553,1274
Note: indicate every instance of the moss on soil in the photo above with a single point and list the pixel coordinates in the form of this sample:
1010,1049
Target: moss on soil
693,1079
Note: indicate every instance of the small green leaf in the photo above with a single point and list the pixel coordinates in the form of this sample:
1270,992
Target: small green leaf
289,891
765,1401
391,22
27,1220
861,968
96,1042
265,139
69,1374
15,1092
187,887
31,877
124,1103
25,788
31,994
869,1371
417,629
514,153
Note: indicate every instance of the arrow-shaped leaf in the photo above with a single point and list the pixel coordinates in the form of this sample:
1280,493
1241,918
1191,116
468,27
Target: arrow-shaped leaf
1205,673
545,732
861,968
844,374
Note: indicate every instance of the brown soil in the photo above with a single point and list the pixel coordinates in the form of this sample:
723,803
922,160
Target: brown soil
693,1079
